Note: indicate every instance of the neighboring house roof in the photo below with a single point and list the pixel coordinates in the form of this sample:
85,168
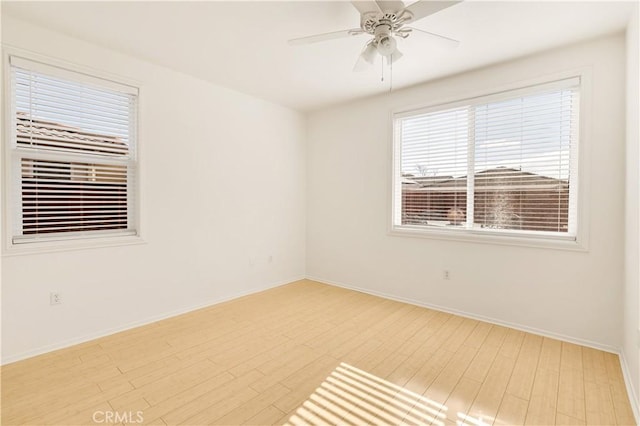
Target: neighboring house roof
430,180
61,137
499,178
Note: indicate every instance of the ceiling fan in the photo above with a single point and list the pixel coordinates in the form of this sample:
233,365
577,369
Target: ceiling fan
385,20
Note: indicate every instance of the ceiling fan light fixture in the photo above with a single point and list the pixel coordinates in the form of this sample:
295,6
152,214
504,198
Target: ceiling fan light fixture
369,53
395,56
386,45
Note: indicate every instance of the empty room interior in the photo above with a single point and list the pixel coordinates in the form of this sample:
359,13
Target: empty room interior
295,213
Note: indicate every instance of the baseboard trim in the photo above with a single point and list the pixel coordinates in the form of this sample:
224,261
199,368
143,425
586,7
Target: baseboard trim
86,338
533,330
633,396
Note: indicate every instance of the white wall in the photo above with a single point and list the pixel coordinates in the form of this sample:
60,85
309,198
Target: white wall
631,306
222,180
1,185
566,293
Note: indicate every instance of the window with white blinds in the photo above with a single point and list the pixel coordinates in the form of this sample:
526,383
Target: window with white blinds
73,154
503,164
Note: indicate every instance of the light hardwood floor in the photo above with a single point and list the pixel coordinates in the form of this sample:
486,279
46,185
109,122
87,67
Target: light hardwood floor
312,353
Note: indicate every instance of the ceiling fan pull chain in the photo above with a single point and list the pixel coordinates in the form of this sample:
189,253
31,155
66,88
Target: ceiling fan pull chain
382,67
390,72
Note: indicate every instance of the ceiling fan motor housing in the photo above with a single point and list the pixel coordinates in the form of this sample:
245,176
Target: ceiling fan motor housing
394,20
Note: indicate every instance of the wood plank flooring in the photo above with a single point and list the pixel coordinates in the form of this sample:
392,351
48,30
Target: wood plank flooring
309,353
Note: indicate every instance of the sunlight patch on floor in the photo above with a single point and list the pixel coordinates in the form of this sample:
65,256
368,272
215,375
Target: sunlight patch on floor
350,395
466,420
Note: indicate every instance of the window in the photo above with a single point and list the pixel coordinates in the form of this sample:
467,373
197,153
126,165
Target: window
72,153
502,165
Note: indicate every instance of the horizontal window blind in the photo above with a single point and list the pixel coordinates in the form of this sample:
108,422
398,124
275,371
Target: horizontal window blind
434,150
73,153
508,164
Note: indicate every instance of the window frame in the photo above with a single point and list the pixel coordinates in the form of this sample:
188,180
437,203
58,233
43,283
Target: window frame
501,237
72,241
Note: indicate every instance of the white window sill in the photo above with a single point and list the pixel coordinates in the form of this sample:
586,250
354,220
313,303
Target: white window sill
490,237
37,247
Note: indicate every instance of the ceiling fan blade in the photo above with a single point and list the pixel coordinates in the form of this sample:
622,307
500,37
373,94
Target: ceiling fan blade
390,5
446,41
366,58
326,36
365,6
424,8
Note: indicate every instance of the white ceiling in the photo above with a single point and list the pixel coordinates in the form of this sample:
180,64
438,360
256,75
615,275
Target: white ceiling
243,45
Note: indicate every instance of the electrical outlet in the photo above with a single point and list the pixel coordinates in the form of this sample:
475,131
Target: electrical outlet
446,275
270,259
55,299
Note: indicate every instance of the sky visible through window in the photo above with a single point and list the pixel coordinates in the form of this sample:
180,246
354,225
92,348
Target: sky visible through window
530,133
